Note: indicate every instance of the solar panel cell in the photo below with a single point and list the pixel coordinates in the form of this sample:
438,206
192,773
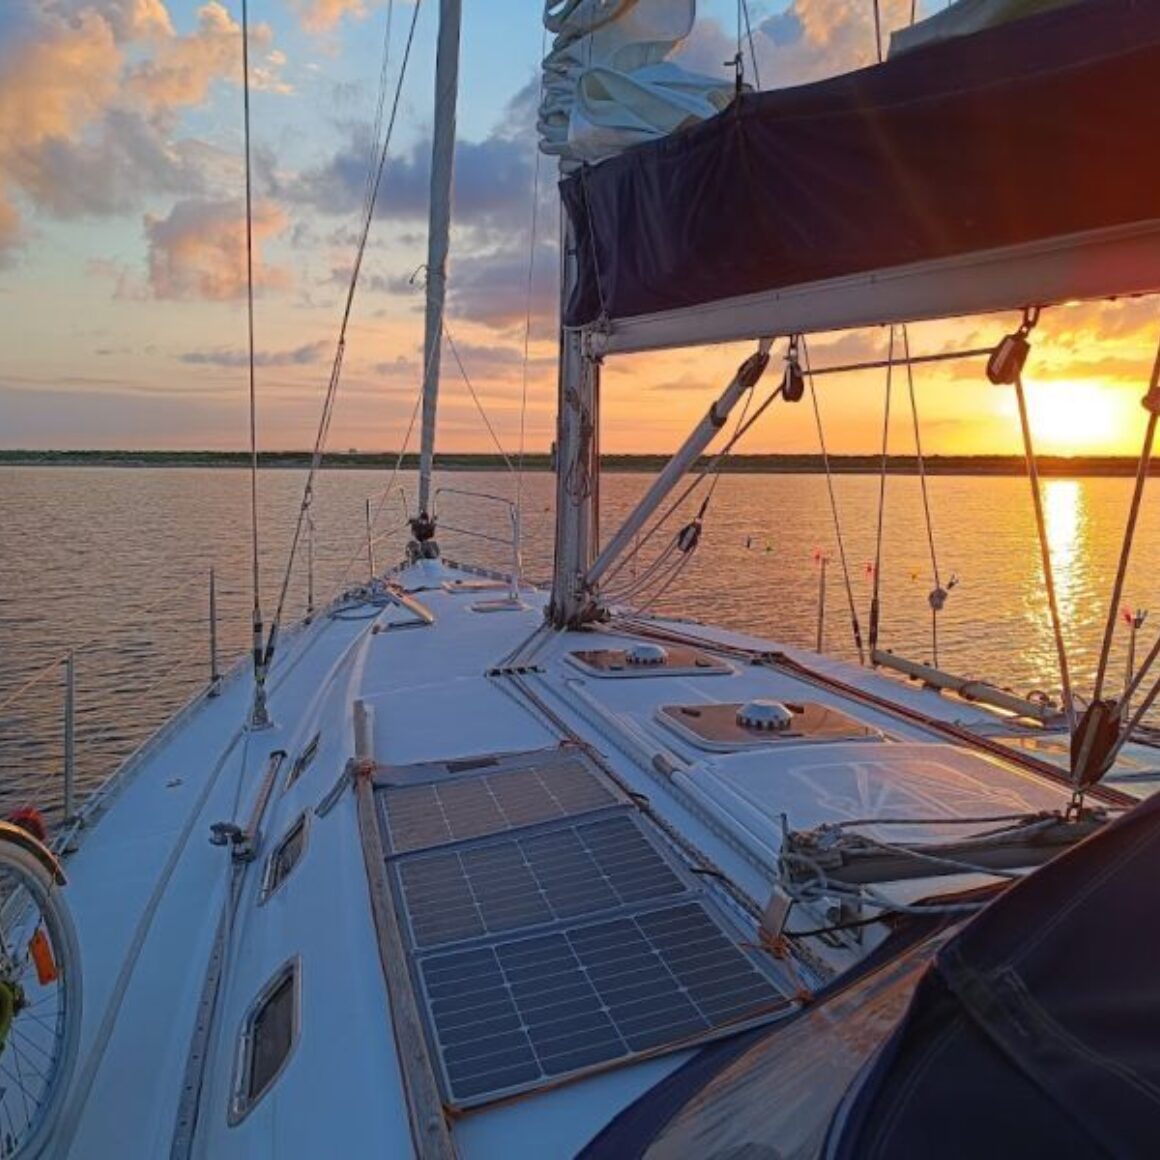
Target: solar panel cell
555,1003
441,812
527,880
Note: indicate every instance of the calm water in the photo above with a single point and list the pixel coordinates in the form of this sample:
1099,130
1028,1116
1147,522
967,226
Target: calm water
114,563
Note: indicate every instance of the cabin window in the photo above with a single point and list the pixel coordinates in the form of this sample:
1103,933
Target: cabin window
284,857
268,1036
303,760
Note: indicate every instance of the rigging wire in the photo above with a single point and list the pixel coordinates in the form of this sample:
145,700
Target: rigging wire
938,594
877,31
259,708
640,583
752,51
528,299
874,596
340,348
1045,552
479,406
697,481
1152,402
359,539
855,626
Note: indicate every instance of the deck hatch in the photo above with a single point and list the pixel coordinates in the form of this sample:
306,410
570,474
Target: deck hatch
517,1013
284,857
457,809
269,1033
531,879
303,761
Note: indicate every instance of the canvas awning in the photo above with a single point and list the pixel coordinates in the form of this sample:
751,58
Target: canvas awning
1013,166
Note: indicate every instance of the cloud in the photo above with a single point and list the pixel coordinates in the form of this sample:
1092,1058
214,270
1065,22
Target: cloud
182,68
89,90
306,355
199,250
106,175
492,187
806,41
323,15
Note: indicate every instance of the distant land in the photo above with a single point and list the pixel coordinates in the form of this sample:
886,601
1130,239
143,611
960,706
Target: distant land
1056,465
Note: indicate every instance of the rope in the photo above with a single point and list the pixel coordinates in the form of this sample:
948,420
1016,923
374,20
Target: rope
855,626
874,605
713,469
528,301
388,490
925,494
340,348
1045,553
478,404
256,616
738,434
877,32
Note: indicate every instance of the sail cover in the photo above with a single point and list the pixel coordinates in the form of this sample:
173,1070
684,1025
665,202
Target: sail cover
607,84
1037,129
1034,1033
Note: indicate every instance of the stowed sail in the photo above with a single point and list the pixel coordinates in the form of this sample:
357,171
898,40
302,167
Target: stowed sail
1020,144
607,82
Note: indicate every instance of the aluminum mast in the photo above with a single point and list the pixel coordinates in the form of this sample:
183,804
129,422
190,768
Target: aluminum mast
438,236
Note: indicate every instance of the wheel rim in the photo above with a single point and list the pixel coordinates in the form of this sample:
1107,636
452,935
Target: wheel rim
34,1009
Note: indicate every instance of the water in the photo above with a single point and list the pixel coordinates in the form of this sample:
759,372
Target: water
114,563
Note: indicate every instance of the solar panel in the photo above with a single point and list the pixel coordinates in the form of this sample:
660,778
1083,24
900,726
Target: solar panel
529,879
515,1013
435,814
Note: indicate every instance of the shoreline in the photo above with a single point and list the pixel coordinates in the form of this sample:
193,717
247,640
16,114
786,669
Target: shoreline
771,464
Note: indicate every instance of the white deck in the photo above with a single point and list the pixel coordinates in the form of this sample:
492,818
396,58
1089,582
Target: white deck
148,890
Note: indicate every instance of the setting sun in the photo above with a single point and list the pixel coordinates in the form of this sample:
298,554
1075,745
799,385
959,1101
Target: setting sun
1079,417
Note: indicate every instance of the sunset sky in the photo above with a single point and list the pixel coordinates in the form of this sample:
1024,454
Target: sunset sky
122,317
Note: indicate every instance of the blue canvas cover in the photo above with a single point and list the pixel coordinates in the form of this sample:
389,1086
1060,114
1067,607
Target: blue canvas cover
1034,130
1035,1032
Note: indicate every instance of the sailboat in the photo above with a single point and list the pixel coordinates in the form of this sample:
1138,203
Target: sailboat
464,868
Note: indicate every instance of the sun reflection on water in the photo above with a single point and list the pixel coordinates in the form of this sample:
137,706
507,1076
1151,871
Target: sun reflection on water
1065,511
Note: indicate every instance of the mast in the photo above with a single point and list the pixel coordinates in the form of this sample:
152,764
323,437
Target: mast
438,241
577,455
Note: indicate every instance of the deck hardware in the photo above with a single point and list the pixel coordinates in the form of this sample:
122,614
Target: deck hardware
302,762
70,754
514,671
334,794
269,1034
285,856
215,677
309,568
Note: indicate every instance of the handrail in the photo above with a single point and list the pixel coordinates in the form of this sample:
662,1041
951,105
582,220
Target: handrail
517,574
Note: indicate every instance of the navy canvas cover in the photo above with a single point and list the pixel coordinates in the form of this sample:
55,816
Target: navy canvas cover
1033,130
1035,1032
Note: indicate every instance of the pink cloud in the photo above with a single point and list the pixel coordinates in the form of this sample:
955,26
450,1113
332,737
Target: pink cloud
199,250
323,15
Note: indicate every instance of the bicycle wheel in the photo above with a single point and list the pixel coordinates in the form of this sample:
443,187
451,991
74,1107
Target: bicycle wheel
40,1003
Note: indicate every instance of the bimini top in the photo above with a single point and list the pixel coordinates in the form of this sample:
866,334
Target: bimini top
1031,131
1027,1035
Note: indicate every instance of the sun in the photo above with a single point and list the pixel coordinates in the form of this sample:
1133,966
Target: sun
1077,417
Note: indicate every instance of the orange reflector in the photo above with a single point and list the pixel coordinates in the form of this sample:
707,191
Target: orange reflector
41,952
